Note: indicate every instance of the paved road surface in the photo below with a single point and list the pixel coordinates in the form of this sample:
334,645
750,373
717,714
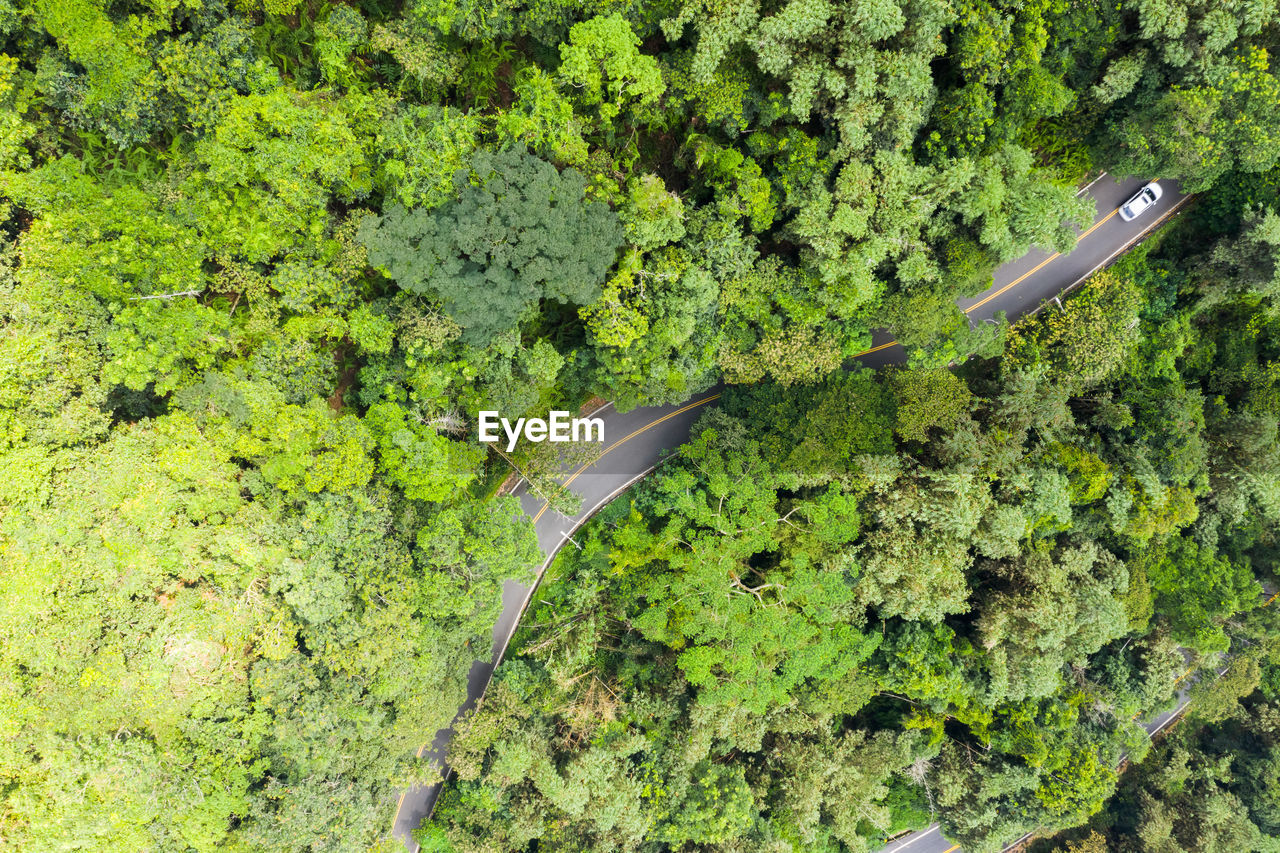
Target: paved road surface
636,441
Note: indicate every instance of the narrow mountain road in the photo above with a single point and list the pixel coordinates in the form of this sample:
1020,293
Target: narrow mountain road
636,441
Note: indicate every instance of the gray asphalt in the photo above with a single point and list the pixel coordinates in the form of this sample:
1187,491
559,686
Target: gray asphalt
637,441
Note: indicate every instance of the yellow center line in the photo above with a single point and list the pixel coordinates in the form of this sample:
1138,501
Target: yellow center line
1103,221
876,349
1012,284
1017,281
565,485
405,792
706,400
952,849
573,477
623,441
1040,265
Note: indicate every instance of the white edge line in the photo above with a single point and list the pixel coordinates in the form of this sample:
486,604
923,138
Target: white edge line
1100,218
529,597
1089,185
629,483
546,564
1174,716
608,405
1110,258
583,519
918,835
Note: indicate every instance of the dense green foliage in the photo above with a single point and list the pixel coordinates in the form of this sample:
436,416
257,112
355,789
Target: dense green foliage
261,262
522,234
1212,785
916,594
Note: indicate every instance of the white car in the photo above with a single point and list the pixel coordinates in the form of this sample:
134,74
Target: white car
1136,206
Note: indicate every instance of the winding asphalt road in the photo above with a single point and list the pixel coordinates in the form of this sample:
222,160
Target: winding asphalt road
636,441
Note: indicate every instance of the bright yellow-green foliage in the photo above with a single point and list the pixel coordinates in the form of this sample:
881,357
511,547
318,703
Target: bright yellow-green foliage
1086,340
602,63
263,261
928,399
1088,475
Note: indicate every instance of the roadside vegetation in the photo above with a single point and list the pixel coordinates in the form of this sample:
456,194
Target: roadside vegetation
261,262
1206,787
891,598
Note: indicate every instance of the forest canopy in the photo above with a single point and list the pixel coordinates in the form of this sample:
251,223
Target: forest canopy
959,606
261,262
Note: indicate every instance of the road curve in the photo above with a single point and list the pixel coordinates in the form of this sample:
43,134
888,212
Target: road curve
636,441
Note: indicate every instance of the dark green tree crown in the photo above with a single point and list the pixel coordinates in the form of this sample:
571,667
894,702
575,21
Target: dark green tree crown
518,231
